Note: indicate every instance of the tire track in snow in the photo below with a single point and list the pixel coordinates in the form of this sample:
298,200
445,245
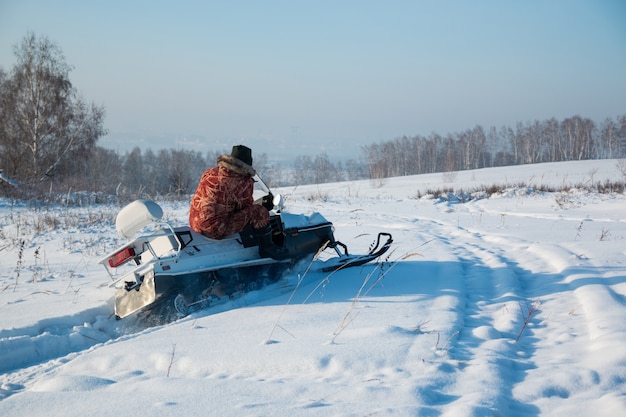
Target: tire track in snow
31,352
491,363
504,275
588,302
476,345
582,298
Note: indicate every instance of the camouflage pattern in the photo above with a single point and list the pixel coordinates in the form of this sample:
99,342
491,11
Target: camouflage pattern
223,202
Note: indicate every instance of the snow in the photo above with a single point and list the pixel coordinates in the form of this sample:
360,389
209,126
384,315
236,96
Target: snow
508,306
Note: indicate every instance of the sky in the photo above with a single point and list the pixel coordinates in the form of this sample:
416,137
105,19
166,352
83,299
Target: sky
295,77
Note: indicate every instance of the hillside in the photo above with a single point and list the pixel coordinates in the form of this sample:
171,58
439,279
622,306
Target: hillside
511,305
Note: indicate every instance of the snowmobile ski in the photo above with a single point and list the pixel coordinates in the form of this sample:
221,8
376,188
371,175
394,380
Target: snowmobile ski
346,260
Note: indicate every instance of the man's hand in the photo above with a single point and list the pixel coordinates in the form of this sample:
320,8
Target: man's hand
268,202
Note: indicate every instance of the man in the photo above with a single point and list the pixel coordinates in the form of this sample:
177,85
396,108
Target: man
223,203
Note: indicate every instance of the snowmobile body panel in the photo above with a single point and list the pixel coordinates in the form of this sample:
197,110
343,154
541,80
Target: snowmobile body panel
306,235
151,269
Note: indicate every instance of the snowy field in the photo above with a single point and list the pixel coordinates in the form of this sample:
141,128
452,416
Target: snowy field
513,305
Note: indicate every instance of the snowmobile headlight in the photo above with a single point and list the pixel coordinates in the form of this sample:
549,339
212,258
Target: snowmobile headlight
279,201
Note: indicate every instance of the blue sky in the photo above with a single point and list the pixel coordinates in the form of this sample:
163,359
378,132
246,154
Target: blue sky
328,76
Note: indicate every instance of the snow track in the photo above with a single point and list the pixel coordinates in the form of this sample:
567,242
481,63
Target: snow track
490,362
30,352
500,322
512,290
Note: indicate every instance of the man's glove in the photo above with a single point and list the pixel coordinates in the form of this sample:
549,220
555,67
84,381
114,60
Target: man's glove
268,202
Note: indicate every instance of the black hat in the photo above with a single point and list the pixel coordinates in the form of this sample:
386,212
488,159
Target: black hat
243,153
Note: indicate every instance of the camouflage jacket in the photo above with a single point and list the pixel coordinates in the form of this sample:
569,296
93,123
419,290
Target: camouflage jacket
223,202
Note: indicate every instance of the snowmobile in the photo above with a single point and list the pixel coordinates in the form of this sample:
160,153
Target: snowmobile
173,271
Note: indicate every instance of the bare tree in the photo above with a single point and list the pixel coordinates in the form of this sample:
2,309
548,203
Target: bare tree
612,138
432,153
324,169
416,151
134,178
180,173
45,124
304,171
578,135
450,154
376,163
621,133
102,169
355,170
488,157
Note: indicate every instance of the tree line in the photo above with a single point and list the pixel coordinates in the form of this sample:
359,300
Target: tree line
571,139
49,134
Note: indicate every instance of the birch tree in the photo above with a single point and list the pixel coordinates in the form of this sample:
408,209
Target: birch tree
45,124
